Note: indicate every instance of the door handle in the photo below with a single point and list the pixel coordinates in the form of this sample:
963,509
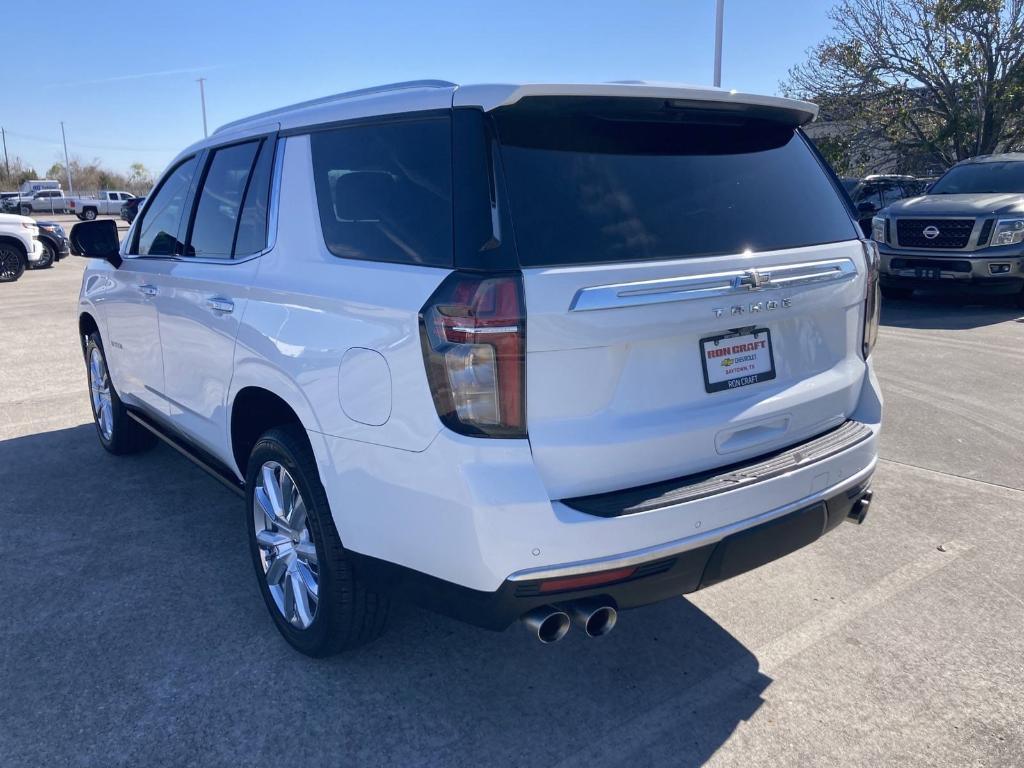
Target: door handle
220,304
148,290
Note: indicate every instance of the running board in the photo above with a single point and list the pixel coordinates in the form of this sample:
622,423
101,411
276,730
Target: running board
197,456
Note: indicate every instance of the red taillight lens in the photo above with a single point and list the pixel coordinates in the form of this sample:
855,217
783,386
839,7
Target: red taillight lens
872,301
473,331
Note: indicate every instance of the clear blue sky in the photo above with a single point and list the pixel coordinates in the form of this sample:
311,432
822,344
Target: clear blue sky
122,75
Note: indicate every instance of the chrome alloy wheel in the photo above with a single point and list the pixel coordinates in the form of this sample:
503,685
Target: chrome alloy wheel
287,552
99,389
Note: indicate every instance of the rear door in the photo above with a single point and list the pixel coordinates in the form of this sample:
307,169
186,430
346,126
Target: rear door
694,288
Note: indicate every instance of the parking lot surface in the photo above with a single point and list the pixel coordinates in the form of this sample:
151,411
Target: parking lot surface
134,634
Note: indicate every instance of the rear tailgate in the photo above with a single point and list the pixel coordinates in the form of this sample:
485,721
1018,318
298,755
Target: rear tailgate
694,287
616,388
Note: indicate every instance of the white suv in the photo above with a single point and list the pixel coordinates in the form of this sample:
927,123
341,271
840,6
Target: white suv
514,352
19,246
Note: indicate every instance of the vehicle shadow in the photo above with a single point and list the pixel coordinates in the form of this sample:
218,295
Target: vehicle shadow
944,312
135,634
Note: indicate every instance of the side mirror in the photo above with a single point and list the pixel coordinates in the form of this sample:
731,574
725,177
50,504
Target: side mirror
865,207
97,240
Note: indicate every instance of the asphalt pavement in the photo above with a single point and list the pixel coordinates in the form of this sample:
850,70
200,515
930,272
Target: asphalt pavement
134,634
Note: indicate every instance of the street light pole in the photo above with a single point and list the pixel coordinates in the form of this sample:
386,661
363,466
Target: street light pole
67,163
719,14
202,99
7,165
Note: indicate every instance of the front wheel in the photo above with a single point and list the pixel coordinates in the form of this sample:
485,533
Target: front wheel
12,263
306,577
26,210
118,433
49,256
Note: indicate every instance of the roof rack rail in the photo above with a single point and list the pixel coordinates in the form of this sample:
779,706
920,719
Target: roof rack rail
338,97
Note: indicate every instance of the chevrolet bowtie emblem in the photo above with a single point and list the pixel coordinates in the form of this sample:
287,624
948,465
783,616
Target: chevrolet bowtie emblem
752,280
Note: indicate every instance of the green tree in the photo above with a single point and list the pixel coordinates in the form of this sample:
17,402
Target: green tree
934,81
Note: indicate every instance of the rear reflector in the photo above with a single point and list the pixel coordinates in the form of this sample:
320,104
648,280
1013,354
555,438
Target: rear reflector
587,580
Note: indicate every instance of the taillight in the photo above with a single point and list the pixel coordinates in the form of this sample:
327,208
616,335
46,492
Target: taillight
473,331
872,302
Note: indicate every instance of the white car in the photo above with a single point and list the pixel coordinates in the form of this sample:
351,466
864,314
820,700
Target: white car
105,202
515,352
19,246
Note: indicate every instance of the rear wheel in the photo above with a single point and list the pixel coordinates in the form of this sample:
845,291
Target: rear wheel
306,577
118,433
89,214
12,263
896,292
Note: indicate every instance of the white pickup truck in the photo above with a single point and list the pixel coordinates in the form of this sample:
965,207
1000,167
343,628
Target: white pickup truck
107,202
41,201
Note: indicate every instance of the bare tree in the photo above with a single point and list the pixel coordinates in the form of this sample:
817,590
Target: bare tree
938,79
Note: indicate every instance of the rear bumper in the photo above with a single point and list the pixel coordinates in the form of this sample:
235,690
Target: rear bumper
658,574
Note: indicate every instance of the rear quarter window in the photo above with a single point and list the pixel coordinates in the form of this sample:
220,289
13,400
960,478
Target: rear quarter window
384,190
599,182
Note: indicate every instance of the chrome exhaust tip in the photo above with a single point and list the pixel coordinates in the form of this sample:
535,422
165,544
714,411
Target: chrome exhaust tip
594,616
859,510
547,623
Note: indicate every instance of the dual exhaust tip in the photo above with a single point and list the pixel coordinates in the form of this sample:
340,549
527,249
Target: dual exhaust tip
550,623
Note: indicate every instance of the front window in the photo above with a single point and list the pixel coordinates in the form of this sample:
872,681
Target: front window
981,178
616,180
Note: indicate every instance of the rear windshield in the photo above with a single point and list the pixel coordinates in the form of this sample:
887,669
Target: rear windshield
606,182
979,178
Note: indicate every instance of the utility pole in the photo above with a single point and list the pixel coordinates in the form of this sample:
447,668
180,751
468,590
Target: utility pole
202,99
719,14
7,165
67,163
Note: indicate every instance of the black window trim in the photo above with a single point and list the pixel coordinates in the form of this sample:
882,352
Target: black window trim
204,156
196,195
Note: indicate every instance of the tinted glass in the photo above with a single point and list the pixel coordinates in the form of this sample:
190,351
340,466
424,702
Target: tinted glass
252,225
384,190
976,178
890,194
158,231
220,200
613,181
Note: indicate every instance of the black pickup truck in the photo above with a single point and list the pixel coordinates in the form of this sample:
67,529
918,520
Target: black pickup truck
966,235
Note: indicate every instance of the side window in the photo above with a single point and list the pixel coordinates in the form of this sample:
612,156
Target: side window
159,228
252,224
212,234
385,190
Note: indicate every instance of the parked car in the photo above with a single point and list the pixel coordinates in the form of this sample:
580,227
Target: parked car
19,246
43,201
515,352
965,236
130,208
4,197
106,202
873,193
55,243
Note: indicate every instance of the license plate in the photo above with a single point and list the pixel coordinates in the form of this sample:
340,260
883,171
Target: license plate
931,274
734,360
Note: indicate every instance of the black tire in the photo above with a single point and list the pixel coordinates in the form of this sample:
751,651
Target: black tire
348,613
896,292
26,210
12,263
49,257
126,436
89,214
